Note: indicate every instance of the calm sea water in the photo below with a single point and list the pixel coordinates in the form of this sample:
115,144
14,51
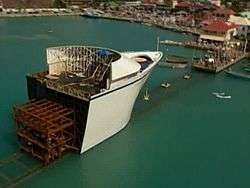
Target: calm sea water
182,137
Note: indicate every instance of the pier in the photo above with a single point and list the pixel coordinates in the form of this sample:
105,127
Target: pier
217,67
190,44
221,56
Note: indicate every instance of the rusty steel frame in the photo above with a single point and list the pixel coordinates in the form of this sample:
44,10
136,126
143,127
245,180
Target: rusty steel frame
45,129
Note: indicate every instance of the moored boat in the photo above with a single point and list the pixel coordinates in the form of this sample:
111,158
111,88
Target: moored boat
187,76
165,85
146,96
175,62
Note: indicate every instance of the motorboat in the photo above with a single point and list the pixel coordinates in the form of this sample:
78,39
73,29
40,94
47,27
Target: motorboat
146,96
175,62
165,85
187,76
221,95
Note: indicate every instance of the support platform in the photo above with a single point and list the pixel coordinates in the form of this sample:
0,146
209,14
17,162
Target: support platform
45,128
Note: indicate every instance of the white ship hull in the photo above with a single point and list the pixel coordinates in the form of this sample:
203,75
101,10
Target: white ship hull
110,112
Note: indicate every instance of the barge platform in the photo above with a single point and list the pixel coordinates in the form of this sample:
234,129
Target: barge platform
45,129
213,68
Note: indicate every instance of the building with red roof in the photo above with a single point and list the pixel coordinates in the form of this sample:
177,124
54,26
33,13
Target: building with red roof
218,30
219,26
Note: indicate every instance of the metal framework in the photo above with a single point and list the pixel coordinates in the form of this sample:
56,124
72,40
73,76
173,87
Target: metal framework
79,71
45,128
78,59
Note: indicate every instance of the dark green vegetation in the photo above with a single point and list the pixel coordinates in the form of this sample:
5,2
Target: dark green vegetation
59,4
236,5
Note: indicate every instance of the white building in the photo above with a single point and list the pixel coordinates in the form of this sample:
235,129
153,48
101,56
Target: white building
133,3
216,2
243,23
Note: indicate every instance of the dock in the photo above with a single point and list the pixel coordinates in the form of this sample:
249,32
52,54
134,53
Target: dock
190,44
216,68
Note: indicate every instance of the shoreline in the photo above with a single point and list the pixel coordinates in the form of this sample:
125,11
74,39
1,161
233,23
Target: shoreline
20,15
168,27
132,20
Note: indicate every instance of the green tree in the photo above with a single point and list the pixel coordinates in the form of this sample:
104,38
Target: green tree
59,4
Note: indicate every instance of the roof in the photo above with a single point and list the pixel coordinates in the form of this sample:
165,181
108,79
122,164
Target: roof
219,26
209,20
184,4
239,20
224,11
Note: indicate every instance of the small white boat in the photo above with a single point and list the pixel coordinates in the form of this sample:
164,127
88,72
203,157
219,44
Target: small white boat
50,31
146,96
165,85
222,95
187,76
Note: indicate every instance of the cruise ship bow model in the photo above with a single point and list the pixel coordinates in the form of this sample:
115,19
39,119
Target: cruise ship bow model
86,96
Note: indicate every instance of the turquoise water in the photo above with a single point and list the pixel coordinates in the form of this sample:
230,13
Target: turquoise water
182,137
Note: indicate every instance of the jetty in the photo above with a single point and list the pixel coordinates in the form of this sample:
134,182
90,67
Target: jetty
190,44
216,67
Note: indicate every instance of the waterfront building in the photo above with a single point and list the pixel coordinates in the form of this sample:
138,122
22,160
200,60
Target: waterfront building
243,23
218,31
215,2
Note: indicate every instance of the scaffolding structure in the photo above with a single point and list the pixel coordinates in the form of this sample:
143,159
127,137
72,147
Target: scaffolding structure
78,59
45,128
